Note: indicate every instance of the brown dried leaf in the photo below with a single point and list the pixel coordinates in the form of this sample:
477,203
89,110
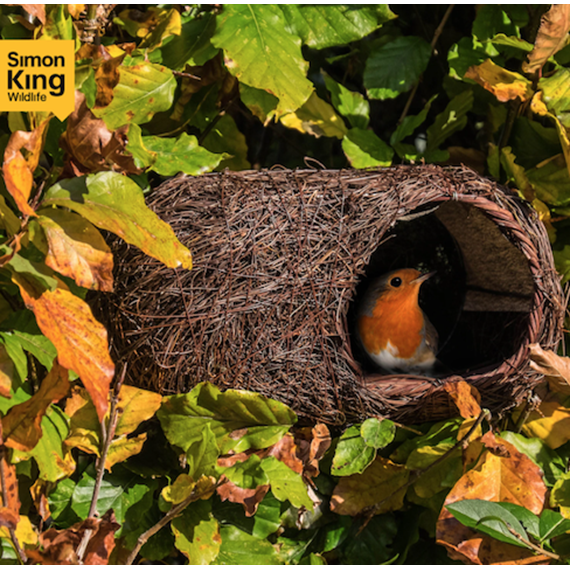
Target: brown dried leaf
36,10
10,511
312,445
59,546
501,474
551,36
286,451
376,485
91,146
21,425
555,368
465,397
76,249
39,492
249,498
81,341
504,84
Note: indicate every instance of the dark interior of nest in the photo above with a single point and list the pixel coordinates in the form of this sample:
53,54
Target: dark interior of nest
480,297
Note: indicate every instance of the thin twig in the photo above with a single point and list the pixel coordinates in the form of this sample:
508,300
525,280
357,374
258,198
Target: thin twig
107,433
436,35
170,515
485,414
19,551
529,544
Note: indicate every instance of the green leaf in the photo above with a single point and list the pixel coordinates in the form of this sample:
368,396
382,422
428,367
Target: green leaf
239,420
256,44
143,90
118,492
556,94
395,67
372,544
202,454
533,143
16,353
248,474
261,103
142,156
197,533
410,123
350,104
552,524
466,53
115,203
551,182
528,519
239,547
23,329
512,41
48,453
491,518
39,272
491,19
364,149
193,45
560,494
453,119
322,26
8,219
60,501
286,485
182,154
58,26
225,138
352,454
378,433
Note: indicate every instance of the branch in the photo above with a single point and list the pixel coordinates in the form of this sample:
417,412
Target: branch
108,434
529,544
171,514
436,35
371,511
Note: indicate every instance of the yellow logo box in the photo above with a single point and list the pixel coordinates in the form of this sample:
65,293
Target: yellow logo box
37,75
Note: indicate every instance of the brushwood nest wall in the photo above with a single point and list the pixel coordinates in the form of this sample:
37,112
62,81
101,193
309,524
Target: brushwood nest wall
280,258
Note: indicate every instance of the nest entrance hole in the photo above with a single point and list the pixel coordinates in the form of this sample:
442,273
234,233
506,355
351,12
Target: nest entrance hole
481,296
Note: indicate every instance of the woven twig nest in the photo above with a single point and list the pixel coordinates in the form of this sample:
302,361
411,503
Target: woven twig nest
280,258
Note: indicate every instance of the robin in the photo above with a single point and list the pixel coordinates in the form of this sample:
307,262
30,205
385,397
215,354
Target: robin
392,328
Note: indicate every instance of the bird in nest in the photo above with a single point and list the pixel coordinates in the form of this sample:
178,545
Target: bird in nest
392,328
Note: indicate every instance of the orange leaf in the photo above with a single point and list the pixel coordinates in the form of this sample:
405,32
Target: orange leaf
6,372
501,474
377,484
555,368
75,10
81,340
286,451
504,84
76,249
19,171
465,397
21,425
551,36
10,509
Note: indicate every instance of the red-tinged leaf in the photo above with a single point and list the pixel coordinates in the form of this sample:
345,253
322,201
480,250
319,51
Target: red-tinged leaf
81,340
465,397
19,171
76,249
249,498
60,546
551,36
21,425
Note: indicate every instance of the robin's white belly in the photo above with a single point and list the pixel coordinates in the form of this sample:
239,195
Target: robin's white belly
423,359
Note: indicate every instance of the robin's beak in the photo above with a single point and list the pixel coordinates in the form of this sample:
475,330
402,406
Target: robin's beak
419,280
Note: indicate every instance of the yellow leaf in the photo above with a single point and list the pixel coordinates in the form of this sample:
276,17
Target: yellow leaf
123,448
80,340
505,85
377,484
316,117
550,423
180,490
84,426
6,372
75,10
21,425
76,249
465,397
25,533
135,406
466,426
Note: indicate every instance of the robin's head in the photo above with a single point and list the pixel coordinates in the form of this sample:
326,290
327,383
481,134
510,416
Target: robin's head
395,286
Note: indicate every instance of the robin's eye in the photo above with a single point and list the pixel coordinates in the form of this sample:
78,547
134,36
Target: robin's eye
396,282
